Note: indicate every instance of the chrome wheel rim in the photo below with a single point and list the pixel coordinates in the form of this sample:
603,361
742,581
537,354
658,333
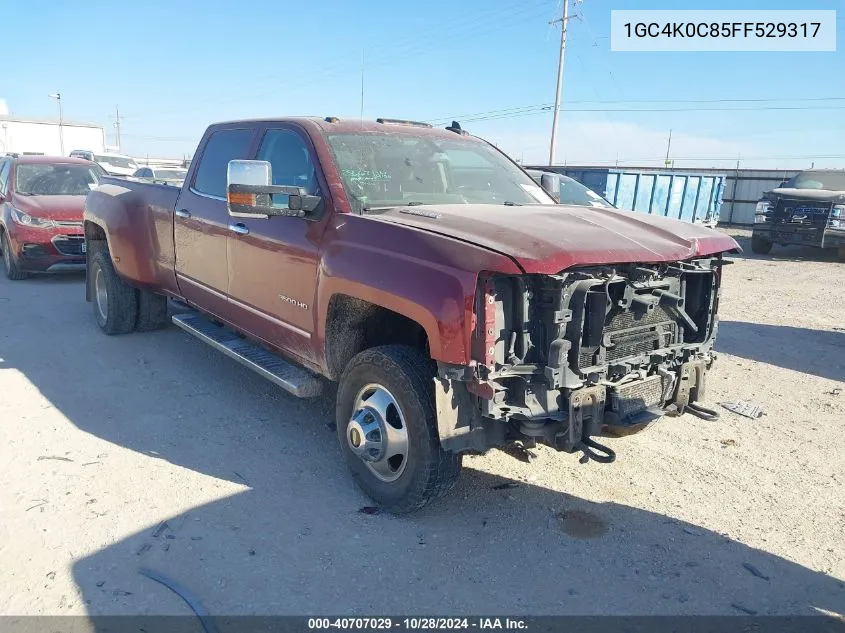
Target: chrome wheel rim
102,294
377,433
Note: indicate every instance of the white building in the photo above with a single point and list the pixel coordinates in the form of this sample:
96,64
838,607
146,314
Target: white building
42,136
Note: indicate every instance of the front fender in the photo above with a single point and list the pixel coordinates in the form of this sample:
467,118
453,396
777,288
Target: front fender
426,277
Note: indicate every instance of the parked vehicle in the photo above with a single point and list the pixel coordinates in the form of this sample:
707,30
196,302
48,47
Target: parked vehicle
41,203
165,175
808,209
426,273
112,164
566,190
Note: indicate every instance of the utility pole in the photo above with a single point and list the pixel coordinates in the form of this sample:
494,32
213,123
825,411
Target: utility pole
117,124
362,87
58,97
667,162
563,22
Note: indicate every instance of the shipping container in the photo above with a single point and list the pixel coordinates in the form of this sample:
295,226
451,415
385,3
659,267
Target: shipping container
686,195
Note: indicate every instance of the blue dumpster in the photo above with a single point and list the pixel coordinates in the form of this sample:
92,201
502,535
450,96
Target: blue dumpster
686,195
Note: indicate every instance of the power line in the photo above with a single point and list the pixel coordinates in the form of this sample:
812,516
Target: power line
540,108
548,106
391,53
660,159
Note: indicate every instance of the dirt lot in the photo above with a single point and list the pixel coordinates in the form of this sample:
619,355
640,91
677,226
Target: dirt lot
103,438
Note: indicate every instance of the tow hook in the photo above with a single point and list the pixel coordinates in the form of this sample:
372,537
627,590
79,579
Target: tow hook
589,446
701,412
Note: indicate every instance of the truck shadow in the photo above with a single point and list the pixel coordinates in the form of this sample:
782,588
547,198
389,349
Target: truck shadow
298,546
817,352
295,540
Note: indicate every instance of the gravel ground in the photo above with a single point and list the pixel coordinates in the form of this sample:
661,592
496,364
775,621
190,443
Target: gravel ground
103,439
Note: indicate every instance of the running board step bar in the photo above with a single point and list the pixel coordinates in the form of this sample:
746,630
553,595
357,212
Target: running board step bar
300,382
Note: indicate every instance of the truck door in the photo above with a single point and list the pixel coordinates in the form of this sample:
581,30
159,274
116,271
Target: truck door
273,261
201,223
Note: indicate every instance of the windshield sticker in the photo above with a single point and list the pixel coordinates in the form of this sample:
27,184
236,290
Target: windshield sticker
593,194
92,185
366,175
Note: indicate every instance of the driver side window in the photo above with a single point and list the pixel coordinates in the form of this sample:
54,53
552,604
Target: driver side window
290,160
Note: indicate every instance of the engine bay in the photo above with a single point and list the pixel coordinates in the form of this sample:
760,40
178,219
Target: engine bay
566,355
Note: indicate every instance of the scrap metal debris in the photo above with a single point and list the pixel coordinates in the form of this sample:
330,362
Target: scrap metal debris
40,503
754,571
41,458
203,615
834,392
160,529
743,407
746,610
505,486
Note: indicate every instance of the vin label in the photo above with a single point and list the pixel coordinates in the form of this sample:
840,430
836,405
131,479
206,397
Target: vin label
723,30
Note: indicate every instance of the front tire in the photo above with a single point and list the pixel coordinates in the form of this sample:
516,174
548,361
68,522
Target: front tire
387,429
115,301
760,245
10,265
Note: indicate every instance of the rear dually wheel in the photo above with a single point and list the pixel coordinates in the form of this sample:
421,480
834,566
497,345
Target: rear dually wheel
115,301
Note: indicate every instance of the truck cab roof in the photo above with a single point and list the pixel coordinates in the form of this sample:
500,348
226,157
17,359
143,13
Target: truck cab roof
328,125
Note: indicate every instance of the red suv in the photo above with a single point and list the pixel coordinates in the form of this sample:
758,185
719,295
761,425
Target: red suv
41,204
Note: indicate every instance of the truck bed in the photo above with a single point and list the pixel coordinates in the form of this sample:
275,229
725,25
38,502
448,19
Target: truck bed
140,217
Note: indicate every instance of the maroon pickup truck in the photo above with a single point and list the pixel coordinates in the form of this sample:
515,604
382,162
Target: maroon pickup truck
457,307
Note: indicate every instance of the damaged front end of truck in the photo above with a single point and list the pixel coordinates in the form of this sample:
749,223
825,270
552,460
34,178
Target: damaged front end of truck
561,359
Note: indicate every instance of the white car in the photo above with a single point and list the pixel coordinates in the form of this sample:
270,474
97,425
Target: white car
167,175
112,164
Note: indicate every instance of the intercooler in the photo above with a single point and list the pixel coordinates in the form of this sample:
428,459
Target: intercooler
630,332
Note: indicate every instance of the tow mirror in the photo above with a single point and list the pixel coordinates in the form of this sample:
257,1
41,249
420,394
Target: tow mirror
551,185
250,193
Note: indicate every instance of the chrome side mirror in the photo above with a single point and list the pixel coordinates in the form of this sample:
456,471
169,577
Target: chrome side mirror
251,194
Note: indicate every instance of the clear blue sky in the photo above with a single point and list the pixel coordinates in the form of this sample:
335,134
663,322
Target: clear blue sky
174,67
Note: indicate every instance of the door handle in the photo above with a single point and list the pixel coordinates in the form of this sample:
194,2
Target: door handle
239,228
183,213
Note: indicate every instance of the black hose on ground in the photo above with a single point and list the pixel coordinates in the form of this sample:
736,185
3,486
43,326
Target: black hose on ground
590,446
702,412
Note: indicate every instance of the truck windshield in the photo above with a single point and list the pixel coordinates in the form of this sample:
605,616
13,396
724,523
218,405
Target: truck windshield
174,174
573,192
55,180
389,170
116,161
827,180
